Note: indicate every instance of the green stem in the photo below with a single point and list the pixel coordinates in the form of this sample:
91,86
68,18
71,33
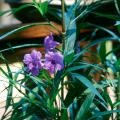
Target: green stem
63,43
63,24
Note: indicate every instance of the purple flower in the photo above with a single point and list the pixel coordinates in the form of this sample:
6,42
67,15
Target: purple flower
53,62
33,62
49,43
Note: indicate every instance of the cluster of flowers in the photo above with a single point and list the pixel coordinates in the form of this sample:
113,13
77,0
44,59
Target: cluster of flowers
53,61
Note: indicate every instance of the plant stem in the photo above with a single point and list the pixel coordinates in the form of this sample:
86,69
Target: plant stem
63,24
63,43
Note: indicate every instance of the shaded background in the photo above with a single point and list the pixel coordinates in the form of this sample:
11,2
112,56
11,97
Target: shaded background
6,20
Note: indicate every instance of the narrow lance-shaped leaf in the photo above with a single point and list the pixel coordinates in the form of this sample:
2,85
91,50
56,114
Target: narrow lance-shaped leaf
95,42
109,16
96,115
88,84
82,113
20,29
71,30
10,88
42,7
20,46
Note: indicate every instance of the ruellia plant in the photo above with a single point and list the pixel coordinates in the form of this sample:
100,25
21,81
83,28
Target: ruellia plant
67,81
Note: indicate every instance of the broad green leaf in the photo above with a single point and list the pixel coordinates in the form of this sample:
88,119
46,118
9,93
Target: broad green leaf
82,113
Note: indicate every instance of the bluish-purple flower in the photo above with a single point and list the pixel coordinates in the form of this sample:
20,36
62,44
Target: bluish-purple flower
53,62
49,43
33,62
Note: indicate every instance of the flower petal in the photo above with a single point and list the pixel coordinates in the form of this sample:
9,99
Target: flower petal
27,59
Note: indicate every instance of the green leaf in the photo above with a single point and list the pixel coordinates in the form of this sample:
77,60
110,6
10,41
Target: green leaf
110,32
107,98
88,84
71,30
10,88
109,16
82,113
64,115
44,7
20,46
83,11
116,103
97,114
41,6
56,12
20,29
79,67
95,42
69,57
40,87
117,64
84,65
55,86
102,53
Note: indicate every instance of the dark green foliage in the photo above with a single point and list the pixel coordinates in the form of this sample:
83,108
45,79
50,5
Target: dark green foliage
86,99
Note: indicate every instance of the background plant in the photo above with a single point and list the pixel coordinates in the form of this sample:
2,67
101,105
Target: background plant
85,98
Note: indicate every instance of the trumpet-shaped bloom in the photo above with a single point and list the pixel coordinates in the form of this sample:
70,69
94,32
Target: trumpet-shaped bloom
49,43
53,62
33,62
